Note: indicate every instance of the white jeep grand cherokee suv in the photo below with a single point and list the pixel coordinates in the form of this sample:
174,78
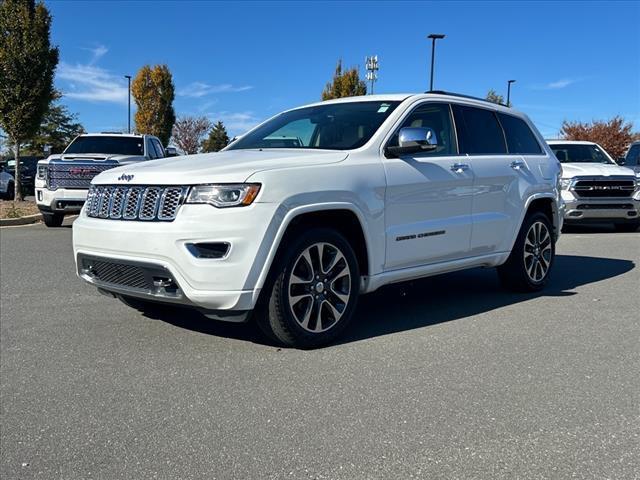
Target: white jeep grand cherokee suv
62,181
594,188
322,203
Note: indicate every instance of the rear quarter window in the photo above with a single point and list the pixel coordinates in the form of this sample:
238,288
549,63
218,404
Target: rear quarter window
520,138
479,132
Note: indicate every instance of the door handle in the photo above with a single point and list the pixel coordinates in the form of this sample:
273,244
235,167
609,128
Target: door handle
459,167
518,164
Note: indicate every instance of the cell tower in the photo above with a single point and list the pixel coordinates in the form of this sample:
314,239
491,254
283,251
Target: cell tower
372,70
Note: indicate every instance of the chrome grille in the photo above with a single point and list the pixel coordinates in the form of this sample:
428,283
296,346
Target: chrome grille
75,174
147,203
605,187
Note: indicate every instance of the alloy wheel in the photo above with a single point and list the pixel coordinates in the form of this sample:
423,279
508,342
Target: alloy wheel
319,287
537,251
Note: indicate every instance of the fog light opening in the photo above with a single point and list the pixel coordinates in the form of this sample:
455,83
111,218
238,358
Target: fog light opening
211,250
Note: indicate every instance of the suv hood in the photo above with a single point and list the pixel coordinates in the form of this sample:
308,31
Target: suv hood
580,169
233,166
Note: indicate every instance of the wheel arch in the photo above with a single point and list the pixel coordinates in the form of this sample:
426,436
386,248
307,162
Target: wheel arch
343,217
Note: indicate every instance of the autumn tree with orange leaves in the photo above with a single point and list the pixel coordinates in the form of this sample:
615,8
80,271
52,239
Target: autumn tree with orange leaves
613,135
153,92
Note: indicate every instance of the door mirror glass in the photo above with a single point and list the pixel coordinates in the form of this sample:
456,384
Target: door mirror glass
414,140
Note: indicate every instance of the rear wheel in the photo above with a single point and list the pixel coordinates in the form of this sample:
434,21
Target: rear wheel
52,219
529,264
313,291
627,227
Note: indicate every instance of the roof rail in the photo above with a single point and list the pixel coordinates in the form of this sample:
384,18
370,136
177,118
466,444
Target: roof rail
453,94
113,133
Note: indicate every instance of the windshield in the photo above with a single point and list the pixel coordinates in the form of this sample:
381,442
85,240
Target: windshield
337,126
577,153
107,145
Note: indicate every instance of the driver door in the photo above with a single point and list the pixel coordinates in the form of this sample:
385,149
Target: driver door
429,196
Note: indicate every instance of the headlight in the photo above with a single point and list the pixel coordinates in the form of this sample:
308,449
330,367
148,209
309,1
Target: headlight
42,172
565,183
224,195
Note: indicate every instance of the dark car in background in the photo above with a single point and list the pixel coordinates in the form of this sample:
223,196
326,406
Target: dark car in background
28,168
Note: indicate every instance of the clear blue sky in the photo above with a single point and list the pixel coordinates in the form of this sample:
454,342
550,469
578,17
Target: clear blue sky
243,62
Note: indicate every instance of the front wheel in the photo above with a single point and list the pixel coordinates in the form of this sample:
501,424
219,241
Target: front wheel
529,264
53,219
313,292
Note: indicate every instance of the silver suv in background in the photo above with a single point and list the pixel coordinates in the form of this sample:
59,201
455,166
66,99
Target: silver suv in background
63,180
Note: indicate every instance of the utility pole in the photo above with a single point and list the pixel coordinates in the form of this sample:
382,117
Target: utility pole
371,64
128,77
509,82
433,37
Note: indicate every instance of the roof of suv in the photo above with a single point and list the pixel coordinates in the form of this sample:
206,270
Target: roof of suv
399,97
112,134
569,142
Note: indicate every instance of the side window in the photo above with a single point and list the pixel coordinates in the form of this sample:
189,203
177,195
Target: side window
158,146
520,138
151,152
633,158
479,132
436,116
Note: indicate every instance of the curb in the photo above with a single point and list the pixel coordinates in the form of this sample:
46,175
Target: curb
7,222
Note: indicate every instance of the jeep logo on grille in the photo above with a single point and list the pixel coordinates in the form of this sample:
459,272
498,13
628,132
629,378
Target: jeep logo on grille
83,171
125,178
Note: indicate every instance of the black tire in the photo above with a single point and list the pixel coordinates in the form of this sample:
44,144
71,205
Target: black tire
326,314
52,219
11,191
523,272
626,227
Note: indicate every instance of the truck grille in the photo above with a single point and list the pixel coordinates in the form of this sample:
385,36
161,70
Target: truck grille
604,188
74,174
147,203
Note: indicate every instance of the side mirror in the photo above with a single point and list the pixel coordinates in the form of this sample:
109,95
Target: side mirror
622,161
170,152
414,140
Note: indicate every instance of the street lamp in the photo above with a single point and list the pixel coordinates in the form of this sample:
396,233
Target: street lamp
509,82
128,77
433,37
371,64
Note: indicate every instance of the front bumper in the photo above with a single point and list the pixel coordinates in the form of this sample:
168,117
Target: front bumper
224,284
62,200
585,210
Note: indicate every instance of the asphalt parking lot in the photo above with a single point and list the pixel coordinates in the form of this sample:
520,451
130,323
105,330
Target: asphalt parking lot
448,377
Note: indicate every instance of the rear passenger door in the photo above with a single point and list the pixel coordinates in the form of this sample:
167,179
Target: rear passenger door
497,199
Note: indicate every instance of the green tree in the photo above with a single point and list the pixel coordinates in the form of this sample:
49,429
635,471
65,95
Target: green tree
495,97
57,129
27,65
217,140
344,84
153,92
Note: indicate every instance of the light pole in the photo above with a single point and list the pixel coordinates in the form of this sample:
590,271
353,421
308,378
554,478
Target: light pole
371,64
509,82
128,77
433,37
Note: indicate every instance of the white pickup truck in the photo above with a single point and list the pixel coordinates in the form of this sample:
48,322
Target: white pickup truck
594,188
371,190
63,180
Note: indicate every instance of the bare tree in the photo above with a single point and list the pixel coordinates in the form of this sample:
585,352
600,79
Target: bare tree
189,131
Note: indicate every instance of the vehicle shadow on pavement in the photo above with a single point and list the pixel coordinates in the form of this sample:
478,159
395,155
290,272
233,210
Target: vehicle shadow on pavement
425,302
438,299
